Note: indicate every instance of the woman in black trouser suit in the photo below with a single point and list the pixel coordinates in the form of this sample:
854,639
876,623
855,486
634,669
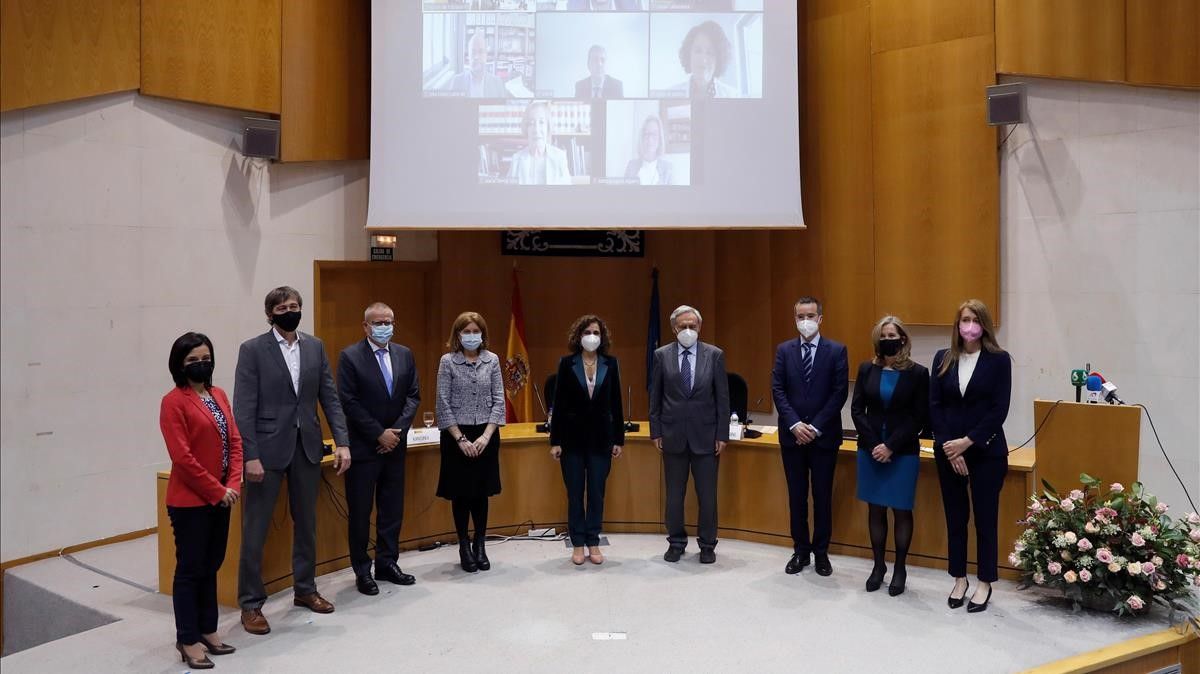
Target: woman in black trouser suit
968,403
587,430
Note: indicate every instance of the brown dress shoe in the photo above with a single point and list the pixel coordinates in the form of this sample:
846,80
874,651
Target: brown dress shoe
254,622
314,602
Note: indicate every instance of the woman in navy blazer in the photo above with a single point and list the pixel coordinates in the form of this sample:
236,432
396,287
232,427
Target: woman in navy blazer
890,408
587,430
968,403
206,479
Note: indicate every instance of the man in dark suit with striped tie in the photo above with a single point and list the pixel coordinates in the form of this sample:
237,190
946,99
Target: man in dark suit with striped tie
810,383
379,390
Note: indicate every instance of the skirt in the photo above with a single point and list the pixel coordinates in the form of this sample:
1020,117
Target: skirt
469,477
893,485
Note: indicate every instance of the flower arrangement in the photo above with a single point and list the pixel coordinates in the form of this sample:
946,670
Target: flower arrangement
1119,550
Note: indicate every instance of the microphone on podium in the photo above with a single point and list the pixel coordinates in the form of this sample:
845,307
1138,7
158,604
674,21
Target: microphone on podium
1110,393
630,426
1095,388
1078,380
750,432
541,428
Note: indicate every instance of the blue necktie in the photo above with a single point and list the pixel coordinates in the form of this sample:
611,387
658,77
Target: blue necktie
387,375
686,371
807,358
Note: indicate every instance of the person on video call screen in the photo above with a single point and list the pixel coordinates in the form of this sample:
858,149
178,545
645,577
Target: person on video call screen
540,162
649,167
598,84
705,55
476,81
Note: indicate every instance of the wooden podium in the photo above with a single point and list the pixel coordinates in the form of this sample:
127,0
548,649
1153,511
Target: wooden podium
1098,439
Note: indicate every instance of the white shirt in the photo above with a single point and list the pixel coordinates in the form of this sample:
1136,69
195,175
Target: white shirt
291,356
812,352
648,174
966,368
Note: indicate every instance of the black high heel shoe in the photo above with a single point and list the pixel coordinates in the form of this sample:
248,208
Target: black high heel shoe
972,607
481,558
223,649
466,557
896,587
202,663
875,580
953,602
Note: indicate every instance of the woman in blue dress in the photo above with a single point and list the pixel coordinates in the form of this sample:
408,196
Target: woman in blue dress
890,408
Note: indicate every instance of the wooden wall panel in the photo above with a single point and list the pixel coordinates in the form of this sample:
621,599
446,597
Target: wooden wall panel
936,180
743,309
896,24
326,77
1162,41
221,52
60,50
1071,39
838,155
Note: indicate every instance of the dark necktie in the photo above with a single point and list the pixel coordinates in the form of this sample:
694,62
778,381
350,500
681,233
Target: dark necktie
382,354
686,371
806,357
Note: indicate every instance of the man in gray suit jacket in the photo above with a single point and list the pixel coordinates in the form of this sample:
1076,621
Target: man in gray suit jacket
280,376
689,424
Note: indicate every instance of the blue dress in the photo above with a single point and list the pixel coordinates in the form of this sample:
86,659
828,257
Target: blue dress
894,484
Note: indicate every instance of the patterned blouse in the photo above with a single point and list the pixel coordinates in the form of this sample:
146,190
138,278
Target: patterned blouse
223,425
470,394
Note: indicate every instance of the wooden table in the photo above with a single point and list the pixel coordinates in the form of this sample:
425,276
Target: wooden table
752,499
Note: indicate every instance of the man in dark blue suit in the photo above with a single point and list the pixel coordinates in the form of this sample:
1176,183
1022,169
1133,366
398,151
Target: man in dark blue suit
379,390
810,383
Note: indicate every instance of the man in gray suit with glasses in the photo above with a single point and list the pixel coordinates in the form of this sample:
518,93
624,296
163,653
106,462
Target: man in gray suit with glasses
280,377
689,424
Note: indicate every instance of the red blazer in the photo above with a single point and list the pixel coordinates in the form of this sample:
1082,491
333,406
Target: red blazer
194,443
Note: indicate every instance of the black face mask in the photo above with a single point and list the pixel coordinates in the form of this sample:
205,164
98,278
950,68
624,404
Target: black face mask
199,371
890,347
287,322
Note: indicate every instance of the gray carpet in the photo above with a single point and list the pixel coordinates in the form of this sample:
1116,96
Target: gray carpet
536,612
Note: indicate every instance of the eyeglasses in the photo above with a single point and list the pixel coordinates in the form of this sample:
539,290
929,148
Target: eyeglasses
380,324
284,308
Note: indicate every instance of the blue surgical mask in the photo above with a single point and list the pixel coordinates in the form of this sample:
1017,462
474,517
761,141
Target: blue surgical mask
470,340
380,334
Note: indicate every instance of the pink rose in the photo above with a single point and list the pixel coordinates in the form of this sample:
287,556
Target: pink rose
1113,567
1091,527
1076,495
1014,559
1160,586
1147,568
1160,508
1156,560
1036,507
1040,578
1085,544
1194,534
1193,518
1137,539
1134,568
1085,575
1104,555
1070,577
1020,546
1116,487
1196,581
1135,602
1071,537
1183,561
1054,568
1067,505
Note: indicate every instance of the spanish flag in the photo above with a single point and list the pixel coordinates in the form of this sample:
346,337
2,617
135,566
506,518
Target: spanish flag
516,365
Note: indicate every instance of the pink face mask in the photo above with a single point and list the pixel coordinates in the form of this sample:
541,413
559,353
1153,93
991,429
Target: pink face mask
970,331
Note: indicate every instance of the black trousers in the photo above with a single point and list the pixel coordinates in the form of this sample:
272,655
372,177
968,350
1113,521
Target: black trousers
378,481
585,473
979,491
703,468
200,536
803,466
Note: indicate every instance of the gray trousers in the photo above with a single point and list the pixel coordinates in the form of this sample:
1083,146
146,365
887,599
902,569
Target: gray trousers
703,468
258,505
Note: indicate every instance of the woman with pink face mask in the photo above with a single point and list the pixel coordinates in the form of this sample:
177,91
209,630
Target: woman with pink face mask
968,403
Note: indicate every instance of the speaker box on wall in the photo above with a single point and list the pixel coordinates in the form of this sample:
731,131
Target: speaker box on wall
260,137
1006,104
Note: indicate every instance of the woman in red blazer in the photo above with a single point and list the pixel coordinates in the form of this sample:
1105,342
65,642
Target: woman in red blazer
206,476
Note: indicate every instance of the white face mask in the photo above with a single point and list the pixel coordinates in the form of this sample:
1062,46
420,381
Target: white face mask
807,327
590,342
687,337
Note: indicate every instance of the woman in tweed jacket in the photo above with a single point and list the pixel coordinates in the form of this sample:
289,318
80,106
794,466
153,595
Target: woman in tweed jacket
470,409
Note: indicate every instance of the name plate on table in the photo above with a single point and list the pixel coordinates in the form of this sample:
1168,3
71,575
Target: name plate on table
423,436
735,431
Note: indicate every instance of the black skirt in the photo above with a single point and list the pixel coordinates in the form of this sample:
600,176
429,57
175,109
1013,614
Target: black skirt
469,477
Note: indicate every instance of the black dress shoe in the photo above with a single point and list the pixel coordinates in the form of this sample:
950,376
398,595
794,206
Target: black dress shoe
875,580
466,556
796,564
972,607
896,587
824,568
957,602
366,585
390,571
202,663
673,554
481,558
708,556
